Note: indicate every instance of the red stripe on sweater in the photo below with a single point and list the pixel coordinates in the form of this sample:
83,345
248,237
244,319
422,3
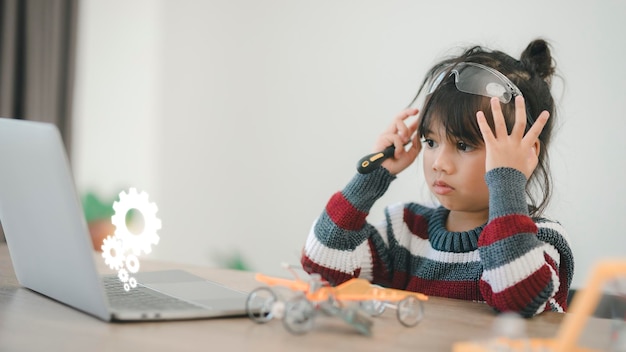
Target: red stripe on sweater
334,277
417,224
465,290
550,261
344,214
520,295
506,226
561,294
399,280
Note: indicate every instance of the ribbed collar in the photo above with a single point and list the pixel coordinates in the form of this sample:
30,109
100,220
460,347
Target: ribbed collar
446,241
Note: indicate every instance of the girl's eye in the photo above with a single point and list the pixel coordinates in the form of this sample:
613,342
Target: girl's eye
464,147
429,142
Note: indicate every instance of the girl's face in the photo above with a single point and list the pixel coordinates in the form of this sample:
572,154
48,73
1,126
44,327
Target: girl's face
455,172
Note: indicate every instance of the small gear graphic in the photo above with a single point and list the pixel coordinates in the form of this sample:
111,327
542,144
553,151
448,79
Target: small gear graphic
122,275
132,283
141,242
132,263
120,251
113,252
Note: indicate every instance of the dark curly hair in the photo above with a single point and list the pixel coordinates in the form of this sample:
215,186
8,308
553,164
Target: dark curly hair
532,74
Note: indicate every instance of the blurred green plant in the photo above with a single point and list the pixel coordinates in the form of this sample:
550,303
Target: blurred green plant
95,208
233,260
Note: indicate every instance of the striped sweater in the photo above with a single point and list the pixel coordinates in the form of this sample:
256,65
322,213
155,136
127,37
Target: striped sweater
513,263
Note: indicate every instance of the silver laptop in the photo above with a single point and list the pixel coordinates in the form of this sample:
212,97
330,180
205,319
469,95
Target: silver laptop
51,248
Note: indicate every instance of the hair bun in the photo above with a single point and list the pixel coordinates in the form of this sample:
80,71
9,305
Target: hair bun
537,58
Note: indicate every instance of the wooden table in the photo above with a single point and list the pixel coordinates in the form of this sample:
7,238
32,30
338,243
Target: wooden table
32,322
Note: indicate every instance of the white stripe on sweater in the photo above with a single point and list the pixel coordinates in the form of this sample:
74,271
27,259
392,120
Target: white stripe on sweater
510,274
552,252
361,258
418,246
556,305
343,261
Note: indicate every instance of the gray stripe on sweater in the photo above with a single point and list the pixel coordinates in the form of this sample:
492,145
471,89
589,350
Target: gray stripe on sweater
507,193
331,236
507,250
538,301
363,190
434,270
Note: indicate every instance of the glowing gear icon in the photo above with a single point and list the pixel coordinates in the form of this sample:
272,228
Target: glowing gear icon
123,275
116,248
113,252
132,263
132,283
141,242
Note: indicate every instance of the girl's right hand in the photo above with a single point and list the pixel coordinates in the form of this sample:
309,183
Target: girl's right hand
399,134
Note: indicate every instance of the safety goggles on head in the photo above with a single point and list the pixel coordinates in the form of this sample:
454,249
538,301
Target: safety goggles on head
473,78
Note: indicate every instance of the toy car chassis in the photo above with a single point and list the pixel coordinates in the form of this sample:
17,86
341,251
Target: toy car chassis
315,295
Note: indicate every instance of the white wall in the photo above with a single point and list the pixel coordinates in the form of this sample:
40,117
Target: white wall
116,111
241,118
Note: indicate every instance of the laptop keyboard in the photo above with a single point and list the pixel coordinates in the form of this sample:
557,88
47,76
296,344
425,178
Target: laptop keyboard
142,298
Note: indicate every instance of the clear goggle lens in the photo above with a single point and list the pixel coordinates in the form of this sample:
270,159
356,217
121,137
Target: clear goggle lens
478,79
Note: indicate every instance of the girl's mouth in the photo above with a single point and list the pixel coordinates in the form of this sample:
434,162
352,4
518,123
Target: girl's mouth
442,188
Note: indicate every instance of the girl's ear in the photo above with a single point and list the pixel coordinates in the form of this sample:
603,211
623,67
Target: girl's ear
536,148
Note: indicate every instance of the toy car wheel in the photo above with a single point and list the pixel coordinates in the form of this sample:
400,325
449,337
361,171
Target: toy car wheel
260,303
410,311
373,308
299,315
330,307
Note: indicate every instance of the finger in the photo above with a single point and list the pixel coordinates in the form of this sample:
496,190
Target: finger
398,142
520,117
412,111
408,154
498,118
533,133
485,130
416,144
414,150
406,113
403,115
403,131
413,127
384,140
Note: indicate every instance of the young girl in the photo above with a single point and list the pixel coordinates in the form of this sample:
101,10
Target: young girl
485,125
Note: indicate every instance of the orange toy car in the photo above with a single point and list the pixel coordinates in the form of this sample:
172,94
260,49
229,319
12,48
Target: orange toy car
314,294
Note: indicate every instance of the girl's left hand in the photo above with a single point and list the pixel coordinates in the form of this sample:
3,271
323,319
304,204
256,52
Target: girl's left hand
516,150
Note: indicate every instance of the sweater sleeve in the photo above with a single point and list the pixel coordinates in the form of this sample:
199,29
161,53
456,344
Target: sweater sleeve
337,245
527,265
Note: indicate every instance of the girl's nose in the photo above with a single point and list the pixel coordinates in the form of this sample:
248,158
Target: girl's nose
443,161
